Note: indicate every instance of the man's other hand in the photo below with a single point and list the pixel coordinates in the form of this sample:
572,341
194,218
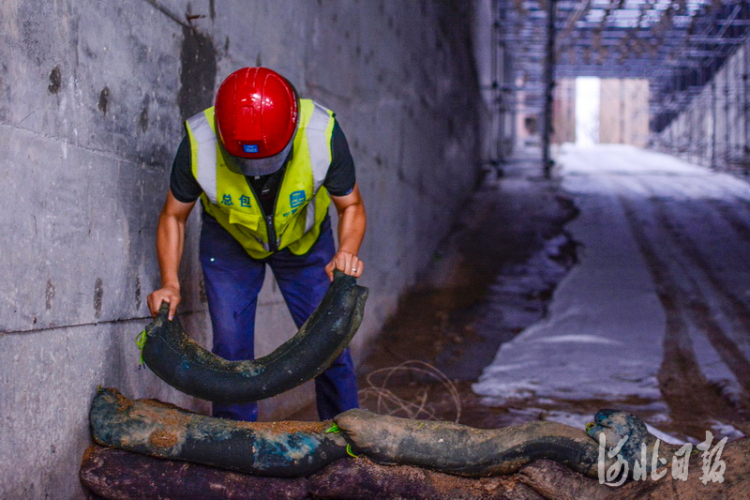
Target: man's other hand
168,294
346,262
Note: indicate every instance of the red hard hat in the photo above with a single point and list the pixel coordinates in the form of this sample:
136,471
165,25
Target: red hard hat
256,113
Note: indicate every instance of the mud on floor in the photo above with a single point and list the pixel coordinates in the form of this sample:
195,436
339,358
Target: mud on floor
492,277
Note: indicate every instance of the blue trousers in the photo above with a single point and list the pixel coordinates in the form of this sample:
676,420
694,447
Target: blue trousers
233,281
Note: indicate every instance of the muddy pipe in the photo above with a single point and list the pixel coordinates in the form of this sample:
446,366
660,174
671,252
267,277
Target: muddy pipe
150,427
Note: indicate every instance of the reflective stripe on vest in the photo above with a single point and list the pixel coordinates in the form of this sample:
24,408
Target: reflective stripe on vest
206,154
320,156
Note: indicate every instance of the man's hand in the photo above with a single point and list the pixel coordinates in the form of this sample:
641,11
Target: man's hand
352,222
168,294
347,263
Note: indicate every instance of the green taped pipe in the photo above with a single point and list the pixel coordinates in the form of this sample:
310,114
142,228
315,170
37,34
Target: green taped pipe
184,364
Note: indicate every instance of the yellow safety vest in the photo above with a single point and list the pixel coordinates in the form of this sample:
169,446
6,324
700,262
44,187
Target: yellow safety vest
302,202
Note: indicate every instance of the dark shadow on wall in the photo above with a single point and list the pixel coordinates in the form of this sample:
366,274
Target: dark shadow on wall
198,73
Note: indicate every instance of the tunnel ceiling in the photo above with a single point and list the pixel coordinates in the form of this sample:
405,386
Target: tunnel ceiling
678,45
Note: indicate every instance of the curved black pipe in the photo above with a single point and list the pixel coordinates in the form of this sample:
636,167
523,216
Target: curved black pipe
184,364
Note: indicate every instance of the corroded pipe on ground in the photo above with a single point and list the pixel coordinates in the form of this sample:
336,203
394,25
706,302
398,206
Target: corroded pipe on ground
466,451
184,364
289,449
117,474
282,449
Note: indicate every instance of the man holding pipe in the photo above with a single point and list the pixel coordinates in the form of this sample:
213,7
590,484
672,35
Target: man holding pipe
265,165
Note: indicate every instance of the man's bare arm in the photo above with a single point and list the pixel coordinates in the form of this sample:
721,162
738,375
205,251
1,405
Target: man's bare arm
170,240
351,231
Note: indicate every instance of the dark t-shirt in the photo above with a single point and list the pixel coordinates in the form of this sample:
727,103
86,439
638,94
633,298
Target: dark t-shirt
339,180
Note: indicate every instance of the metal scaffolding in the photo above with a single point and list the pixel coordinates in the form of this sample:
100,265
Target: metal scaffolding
678,45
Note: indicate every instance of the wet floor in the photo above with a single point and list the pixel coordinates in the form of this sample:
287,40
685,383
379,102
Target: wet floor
491,278
622,283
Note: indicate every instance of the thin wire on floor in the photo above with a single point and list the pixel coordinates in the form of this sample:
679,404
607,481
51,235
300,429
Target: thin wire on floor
388,403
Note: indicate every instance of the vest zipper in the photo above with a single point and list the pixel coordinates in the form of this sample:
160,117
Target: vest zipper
267,219
272,241
273,245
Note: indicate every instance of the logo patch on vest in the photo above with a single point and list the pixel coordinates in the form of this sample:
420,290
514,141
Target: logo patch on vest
250,148
297,198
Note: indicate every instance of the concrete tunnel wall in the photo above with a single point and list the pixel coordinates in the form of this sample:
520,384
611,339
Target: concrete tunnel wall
92,99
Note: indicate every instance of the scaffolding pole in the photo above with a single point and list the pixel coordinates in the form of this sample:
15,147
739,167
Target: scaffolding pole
549,88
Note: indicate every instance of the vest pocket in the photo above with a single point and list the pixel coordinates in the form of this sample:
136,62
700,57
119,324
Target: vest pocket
248,220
